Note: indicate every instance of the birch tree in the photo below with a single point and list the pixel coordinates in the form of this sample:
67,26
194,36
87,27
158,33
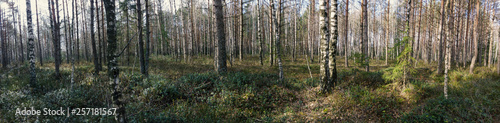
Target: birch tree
332,46
278,23
325,38
31,43
448,52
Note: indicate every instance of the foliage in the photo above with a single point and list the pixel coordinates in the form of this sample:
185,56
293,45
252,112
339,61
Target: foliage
448,110
404,67
250,94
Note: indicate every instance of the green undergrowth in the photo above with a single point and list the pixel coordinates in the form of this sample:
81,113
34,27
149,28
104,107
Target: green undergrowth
208,97
252,93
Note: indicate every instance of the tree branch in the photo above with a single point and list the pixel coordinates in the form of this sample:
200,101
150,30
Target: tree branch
128,43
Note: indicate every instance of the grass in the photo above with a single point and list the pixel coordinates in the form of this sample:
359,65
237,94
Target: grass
249,92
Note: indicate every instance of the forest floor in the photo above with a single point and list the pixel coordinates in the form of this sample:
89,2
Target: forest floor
249,92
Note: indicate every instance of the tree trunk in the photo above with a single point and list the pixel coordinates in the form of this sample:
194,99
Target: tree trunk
465,56
127,33
85,28
271,60
31,44
103,36
475,39
325,38
278,24
346,34
261,49
386,33
295,33
448,51
40,58
99,40
21,51
66,40
441,38
77,31
490,54
146,64
241,29
56,35
221,43
193,32
430,28
141,43
332,46
113,69
92,38
4,43
310,35
364,34
417,52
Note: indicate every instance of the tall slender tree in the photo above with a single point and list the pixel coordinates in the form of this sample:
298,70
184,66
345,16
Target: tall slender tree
278,22
21,51
490,54
147,39
442,37
55,24
325,39
113,69
99,42
498,57
141,43
3,40
465,56
430,30
221,35
40,58
346,34
448,50
310,34
387,13
66,34
103,33
417,52
240,29
31,43
77,43
271,39
332,46
364,34
261,42
193,31
475,39
92,39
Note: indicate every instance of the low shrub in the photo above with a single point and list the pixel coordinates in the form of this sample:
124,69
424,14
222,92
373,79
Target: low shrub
448,110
